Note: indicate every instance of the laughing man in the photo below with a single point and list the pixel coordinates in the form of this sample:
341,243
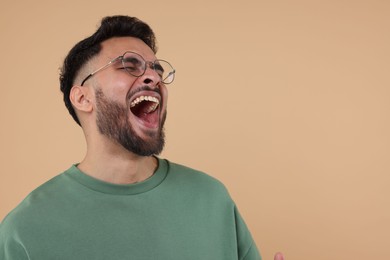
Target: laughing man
121,201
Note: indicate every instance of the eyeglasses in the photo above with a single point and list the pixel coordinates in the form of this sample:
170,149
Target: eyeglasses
136,66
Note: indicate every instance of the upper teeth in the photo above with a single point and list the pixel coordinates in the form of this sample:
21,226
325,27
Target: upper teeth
143,98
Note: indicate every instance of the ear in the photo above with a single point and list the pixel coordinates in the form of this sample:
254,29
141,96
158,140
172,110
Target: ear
81,97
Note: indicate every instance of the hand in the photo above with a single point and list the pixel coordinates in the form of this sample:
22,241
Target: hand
279,256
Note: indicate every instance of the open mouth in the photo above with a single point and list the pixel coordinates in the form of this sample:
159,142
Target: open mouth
145,108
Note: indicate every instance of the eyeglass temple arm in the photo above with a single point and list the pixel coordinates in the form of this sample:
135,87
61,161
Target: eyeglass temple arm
170,74
82,83
99,69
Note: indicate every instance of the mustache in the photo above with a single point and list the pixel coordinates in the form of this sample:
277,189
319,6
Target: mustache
144,88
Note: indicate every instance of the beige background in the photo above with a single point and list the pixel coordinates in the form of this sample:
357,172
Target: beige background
286,102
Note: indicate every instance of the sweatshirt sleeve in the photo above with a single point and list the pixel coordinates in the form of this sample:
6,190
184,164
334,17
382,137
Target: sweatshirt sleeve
11,248
247,249
252,254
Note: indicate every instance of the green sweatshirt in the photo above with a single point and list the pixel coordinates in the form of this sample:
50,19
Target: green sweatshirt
178,213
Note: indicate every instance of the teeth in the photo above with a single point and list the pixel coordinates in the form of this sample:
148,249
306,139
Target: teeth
147,98
152,108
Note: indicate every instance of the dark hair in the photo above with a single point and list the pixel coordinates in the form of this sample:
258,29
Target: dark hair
82,52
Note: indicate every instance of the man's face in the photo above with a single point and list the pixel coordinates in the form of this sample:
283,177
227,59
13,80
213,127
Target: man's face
130,110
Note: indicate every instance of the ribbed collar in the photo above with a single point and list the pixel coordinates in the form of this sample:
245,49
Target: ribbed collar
119,189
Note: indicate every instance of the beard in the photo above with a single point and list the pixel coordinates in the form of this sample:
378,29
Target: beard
113,121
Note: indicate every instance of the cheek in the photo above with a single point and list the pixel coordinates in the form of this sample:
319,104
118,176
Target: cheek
164,92
118,88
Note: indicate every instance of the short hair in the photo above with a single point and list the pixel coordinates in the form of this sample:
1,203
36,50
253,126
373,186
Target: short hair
82,52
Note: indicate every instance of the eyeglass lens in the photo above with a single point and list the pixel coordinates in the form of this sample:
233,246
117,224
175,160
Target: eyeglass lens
136,66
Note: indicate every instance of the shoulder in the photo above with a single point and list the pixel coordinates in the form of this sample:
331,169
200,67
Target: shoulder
32,206
193,179
186,173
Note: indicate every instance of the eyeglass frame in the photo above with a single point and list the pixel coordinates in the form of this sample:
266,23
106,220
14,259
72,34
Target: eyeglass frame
150,63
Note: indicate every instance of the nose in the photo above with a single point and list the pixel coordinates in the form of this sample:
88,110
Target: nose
150,77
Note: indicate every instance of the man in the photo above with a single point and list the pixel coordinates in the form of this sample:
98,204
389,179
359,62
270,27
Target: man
121,201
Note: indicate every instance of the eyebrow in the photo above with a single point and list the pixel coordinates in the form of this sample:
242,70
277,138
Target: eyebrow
130,59
158,66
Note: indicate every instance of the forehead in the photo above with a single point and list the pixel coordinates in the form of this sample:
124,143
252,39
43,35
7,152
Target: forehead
115,47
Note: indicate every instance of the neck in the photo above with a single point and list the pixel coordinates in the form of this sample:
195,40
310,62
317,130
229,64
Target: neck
112,163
